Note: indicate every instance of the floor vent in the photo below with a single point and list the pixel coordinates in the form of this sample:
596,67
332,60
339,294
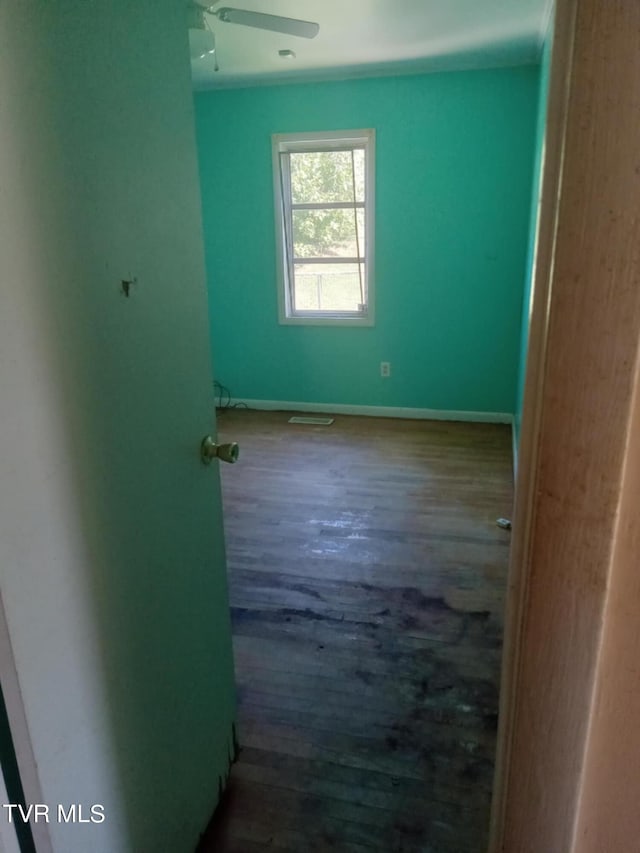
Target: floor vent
315,421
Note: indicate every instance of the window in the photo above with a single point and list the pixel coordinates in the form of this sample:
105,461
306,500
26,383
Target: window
324,205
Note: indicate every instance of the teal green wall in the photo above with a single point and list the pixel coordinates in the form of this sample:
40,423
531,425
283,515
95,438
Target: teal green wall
454,157
533,227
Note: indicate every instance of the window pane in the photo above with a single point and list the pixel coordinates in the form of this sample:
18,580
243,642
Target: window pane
327,176
358,165
329,287
328,233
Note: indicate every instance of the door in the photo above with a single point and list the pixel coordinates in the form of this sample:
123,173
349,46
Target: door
111,556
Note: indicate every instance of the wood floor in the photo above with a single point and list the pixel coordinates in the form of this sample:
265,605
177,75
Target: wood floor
367,579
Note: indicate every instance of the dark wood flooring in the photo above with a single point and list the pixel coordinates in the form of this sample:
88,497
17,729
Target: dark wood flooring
367,580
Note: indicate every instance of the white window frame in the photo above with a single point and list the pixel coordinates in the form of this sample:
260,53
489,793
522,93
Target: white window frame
322,141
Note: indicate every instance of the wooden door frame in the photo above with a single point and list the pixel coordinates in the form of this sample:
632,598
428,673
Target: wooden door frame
587,86
526,479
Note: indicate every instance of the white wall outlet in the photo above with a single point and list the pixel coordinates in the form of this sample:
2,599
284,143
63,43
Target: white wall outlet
385,369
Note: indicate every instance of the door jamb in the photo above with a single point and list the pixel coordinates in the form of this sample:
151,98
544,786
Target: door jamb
527,474
19,727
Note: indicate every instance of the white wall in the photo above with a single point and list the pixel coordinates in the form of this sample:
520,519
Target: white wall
108,524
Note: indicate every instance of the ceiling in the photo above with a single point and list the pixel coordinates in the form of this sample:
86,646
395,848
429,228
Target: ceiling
373,37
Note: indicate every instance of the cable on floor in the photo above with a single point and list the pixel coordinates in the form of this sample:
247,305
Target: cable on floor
224,398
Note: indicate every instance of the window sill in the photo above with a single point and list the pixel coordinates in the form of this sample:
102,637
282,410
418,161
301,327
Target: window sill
310,320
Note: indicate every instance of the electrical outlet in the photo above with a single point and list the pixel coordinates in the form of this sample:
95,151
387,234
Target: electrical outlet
385,369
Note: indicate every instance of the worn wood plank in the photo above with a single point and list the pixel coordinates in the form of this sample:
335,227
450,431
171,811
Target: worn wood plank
367,581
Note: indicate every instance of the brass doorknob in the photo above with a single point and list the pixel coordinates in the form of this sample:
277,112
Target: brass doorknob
210,450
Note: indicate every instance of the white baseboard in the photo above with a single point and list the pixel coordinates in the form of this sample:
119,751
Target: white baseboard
378,411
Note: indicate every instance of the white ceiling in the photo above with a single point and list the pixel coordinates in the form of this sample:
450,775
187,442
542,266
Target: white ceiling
371,37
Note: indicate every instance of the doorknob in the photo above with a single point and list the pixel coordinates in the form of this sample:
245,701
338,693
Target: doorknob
210,450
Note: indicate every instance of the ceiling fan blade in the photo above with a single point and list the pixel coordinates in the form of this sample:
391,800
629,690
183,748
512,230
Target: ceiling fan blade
262,21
